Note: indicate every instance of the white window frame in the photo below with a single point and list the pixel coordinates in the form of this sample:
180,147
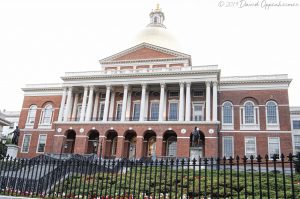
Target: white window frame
37,146
133,110
99,114
22,151
223,146
249,126
270,157
153,102
294,143
116,113
42,124
175,91
250,137
201,103
31,124
272,126
169,105
228,126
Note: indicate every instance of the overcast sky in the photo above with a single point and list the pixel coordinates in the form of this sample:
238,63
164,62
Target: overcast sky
41,40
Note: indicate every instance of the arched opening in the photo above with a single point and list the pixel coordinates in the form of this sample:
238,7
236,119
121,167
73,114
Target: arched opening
197,144
130,144
170,144
70,141
111,144
93,142
149,144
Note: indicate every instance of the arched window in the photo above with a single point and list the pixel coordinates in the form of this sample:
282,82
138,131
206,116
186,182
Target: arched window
46,117
272,112
227,113
249,113
249,116
31,115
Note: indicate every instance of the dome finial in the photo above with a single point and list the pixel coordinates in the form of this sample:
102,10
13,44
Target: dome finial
157,17
157,7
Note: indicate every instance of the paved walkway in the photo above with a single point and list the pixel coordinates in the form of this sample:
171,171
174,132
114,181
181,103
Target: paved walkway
6,197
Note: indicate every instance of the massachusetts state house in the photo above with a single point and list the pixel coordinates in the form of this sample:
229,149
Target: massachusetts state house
146,101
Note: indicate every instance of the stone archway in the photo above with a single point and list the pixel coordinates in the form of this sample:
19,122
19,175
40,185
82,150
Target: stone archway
170,144
130,144
149,144
111,144
70,141
93,142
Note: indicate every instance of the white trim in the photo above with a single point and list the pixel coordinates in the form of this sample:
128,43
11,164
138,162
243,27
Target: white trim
133,110
28,143
116,113
152,102
227,126
202,103
256,122
269,146
60,136
248,137
99,109
223,148
173,101
37,146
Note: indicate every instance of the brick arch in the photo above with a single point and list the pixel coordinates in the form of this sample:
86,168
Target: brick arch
271,100
226,100
70,141
169,137
111,143
93,141
46,103
254,100
149,136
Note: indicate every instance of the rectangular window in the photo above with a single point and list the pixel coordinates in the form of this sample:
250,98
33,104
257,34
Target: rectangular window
26,143
136,111
273,146
101,111
78,112
297,143
198,93
102,96
296,124
250,146
154,111
228,146
197,112
173,111
173,93
41,144
119,112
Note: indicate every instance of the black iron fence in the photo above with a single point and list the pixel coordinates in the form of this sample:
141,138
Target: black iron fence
76,176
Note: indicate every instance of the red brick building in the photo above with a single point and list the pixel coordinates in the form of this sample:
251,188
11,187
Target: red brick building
146,102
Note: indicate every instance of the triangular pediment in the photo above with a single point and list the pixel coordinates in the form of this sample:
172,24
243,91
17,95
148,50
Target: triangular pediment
144,51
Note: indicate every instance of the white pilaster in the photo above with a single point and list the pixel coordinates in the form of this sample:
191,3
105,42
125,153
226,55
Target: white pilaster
124,103
68,105
161,101
106,103
75,106
62,105
146,105
207,107
112,104
181,102
143,100
96,103
90,105
215,101
188,102
83,105
128,104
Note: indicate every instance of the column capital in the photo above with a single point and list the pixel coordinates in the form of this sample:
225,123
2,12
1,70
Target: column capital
85,87
188,84
65,88
144,85
108,86
208,83
162,85
70,88
215,83
92,87
126,86
181,84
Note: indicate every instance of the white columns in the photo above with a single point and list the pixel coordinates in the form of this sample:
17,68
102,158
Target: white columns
90,105
96,103
143,100
127,115
75,107
188,102
112,104
215,101
207,107
68,105
161,101
124,103
62,105
181,102
83,105
106,103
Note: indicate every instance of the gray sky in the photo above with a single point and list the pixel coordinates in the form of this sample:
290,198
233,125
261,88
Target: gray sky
40,40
